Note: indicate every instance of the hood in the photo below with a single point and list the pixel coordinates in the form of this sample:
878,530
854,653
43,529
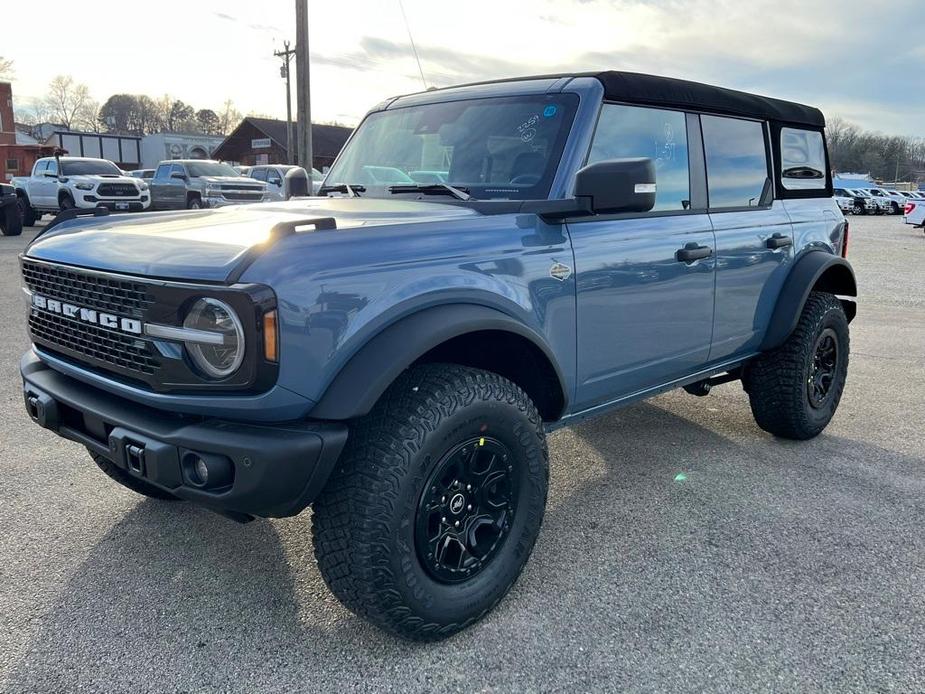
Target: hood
209,245
101,178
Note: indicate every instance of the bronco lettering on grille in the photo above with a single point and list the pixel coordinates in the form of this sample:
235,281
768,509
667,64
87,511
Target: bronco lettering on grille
88,315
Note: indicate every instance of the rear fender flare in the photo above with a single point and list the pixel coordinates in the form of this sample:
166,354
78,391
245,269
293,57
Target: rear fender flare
819,270
372,369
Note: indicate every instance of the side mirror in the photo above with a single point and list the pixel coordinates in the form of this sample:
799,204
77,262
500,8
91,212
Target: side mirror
618,185
179,175
49,174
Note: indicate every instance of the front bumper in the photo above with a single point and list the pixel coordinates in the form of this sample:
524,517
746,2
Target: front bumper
117,205
275,470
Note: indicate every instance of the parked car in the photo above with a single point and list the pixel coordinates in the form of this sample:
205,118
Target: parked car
863,204
881,205
914,212
10,218
143,174
62,183
197,183
845,202
285,181
397,356
896,199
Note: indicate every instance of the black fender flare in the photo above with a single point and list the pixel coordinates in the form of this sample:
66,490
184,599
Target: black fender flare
372,369
815,270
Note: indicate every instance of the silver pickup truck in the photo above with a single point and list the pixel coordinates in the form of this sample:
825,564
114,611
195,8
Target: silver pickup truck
198,183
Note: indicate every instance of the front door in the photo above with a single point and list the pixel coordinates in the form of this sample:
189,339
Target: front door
644,283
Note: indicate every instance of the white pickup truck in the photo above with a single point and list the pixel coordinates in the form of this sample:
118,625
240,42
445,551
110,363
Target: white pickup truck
61,183
914,212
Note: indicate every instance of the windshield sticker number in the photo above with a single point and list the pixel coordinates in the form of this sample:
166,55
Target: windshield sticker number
527,129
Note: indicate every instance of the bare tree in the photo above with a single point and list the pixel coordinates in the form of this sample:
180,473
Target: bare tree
69,103
229,117
6,68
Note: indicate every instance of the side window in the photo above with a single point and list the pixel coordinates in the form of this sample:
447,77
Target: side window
274,177
737,161
163,172
802,154
52,167
632,131
259,174
177,168
40,167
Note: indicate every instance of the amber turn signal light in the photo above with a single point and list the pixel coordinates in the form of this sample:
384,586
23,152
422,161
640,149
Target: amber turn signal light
270,336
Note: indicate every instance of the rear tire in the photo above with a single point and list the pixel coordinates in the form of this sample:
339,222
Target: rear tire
436,503
795,389
138,486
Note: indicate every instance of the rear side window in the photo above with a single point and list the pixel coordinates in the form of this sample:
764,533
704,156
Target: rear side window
737,161
802,154
631,131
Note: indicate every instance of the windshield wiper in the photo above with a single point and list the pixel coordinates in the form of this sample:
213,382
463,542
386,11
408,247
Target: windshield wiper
433,189
352,191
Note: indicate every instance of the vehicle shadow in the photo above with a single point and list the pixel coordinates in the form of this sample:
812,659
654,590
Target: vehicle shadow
760,551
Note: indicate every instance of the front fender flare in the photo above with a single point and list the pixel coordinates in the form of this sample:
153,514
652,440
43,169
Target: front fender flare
365,377
816,270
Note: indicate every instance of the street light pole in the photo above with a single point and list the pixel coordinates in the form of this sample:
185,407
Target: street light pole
303,91
286,55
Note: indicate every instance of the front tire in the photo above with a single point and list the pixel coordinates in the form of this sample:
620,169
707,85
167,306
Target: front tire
26,212
137,485
194,203
436,503
66,203
795,389
10,220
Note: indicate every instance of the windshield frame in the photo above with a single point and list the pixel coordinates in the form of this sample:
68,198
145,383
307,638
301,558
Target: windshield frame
111,169
568,104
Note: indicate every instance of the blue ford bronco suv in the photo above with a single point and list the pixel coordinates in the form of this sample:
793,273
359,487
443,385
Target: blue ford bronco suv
488,263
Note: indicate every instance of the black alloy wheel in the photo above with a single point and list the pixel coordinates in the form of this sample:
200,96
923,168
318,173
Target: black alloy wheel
466,509
824,368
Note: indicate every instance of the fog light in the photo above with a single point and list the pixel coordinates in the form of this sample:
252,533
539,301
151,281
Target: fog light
207,470
202,472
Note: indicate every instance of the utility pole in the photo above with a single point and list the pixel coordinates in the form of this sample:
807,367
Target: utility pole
284,71
302,87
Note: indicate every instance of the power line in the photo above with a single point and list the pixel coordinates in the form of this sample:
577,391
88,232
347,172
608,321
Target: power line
414,49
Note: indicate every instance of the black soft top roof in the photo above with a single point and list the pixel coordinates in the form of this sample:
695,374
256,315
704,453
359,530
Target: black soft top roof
638,88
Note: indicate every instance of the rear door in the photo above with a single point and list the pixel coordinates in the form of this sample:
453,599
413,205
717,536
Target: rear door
754,237
645,281
160,191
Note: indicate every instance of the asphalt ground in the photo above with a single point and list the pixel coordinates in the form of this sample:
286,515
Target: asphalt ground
767,566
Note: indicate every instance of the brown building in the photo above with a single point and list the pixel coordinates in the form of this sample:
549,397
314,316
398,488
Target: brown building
259,141
18,151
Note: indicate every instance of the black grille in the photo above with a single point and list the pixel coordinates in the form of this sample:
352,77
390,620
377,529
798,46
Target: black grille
117,190
113,295
256,190
241,195
92,341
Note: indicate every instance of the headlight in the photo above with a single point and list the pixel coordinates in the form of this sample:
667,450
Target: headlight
83,186
213,192
221,358
142,185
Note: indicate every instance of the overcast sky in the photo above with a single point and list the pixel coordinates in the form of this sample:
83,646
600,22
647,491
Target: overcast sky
861,60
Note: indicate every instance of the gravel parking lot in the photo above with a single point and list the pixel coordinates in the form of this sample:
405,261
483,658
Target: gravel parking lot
768,566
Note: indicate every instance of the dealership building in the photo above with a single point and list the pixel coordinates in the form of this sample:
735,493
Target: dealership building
259,141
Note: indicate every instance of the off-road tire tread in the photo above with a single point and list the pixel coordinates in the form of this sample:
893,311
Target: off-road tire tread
774,381
126,480
350,544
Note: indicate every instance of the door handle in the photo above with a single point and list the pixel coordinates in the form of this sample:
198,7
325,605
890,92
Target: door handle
778,241
692,251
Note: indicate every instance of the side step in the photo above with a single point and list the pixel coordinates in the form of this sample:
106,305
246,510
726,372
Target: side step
703,388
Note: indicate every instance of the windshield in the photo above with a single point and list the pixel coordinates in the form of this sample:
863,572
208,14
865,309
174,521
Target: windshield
89,167
502,148
209,168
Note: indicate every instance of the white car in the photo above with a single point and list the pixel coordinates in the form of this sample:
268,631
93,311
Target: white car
61,183
881,205
896,199
845,202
